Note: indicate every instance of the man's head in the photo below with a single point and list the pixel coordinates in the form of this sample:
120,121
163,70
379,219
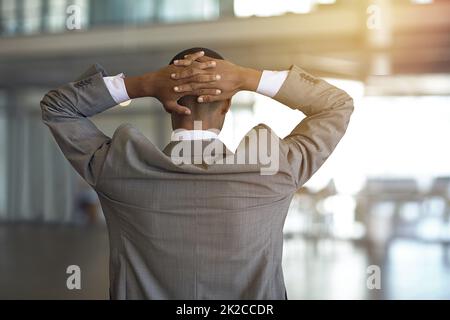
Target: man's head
212,114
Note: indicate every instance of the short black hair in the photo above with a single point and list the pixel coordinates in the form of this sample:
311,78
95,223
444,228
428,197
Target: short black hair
208,52
198,110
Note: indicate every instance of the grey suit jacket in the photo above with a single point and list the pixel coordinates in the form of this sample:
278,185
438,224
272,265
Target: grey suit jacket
194,231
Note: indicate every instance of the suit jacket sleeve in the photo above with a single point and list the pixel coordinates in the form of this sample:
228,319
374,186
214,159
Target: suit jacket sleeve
327,109
66,110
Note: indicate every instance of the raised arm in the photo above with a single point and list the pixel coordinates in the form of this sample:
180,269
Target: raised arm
327,109
66,110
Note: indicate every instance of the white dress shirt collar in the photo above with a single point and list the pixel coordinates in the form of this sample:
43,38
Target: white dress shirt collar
182,134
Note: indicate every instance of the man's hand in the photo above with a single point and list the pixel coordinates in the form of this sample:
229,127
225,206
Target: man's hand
233,78
164,84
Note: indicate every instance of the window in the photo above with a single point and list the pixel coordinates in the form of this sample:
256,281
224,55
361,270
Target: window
57,14
9,17
182,10
32,16
3,154
266,8
139,11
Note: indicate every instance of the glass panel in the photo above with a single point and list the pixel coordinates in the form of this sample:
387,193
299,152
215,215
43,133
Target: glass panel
265,8
9,17
139,11
108,11
115,9
67,14
3,154
181,10
56,19
32,16
83,7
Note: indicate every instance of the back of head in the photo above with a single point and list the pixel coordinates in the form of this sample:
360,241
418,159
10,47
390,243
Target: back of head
205,112
208,53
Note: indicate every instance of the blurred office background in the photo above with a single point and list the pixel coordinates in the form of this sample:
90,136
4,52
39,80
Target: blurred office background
383,198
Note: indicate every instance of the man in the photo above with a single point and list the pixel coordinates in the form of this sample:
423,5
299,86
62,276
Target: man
208,229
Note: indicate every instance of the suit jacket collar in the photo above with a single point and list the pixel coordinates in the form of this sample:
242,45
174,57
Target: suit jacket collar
220,150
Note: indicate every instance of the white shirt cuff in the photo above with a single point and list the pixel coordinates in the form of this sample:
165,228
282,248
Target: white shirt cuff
116,87
271,82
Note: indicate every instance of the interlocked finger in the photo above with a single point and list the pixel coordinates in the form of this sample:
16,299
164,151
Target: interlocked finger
211,98
192,86
213,92
188,59
194,69
173,106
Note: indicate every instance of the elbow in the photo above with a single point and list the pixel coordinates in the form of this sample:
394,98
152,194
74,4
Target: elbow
44,106
349,108
348,103
44,101
47,103
346,106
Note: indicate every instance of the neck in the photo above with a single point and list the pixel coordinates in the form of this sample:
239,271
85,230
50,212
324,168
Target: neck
205,128
196,125
182,134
